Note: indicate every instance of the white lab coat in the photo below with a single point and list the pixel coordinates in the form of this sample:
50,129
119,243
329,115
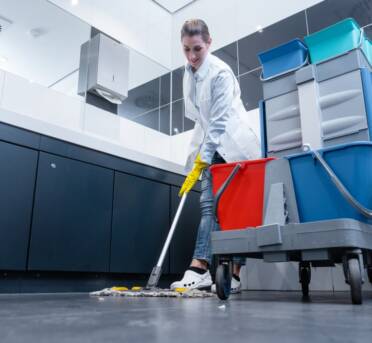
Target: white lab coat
227,132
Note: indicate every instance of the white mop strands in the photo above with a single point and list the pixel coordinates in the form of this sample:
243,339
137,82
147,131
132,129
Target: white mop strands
156,292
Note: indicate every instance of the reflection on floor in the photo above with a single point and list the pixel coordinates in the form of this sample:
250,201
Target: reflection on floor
249,317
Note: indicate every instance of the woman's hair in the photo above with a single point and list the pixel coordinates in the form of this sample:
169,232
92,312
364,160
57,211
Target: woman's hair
193,27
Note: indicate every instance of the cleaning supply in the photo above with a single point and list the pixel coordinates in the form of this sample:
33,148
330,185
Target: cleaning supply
157,293
119,288
137,288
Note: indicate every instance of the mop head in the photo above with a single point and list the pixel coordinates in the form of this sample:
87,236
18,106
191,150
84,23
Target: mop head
156,292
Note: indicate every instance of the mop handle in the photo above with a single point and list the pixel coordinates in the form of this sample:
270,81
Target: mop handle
171,231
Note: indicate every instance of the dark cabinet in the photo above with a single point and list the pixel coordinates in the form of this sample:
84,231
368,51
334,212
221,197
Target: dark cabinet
140,224
72,216
183,243
17,181
64,208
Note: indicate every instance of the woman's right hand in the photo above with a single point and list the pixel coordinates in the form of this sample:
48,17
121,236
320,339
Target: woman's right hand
193,177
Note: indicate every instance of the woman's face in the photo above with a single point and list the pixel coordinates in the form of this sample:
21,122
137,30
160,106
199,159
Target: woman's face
195,50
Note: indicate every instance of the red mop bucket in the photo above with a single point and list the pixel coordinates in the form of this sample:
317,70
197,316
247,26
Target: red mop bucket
239,193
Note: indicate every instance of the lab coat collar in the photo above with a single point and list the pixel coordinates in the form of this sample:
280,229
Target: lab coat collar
202,71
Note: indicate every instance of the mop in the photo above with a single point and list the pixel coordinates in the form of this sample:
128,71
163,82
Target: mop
151,289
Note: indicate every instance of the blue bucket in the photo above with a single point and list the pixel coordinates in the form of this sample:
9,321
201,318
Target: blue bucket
336,40
283,59
317,197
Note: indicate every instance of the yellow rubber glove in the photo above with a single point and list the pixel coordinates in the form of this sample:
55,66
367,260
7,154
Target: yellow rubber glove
193,176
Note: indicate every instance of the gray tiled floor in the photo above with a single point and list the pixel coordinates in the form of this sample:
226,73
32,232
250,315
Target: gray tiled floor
249,317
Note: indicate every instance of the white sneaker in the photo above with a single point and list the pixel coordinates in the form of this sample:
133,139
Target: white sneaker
236,287
193,280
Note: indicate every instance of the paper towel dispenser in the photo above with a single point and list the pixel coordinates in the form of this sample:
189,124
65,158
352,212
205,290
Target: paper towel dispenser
104,68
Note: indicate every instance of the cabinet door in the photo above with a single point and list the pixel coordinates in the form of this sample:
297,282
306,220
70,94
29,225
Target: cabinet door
183,244
72,216
140,224
17,182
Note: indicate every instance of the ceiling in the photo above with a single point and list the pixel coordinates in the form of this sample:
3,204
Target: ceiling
42,42
173,6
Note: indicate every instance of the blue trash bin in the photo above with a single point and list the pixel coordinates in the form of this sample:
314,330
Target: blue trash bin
283,59
317,196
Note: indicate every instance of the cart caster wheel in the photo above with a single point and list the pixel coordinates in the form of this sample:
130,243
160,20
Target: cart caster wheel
355,280
223,280
305,278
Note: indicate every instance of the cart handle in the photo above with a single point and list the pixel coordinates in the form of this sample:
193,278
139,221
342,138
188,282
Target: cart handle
219,193
363,34
339,185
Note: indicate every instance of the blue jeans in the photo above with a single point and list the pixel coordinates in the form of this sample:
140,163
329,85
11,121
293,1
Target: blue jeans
208,222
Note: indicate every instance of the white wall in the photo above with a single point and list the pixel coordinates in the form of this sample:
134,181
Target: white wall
140,24
142,69
48,57
2,81
231,20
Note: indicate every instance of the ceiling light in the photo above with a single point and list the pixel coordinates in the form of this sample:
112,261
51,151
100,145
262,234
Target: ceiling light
36,32
3,59
74,2
259,28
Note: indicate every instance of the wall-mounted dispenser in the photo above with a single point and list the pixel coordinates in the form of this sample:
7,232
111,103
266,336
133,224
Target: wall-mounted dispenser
104,68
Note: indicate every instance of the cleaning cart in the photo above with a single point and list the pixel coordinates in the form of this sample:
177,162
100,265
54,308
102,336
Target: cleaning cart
315,211
310,202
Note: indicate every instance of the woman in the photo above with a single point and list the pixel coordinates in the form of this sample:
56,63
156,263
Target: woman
212,100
